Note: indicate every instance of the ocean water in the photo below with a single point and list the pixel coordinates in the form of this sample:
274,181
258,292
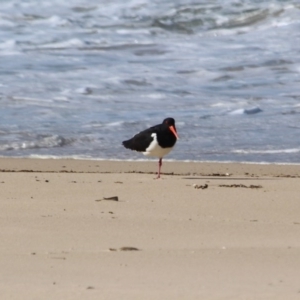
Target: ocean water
78,77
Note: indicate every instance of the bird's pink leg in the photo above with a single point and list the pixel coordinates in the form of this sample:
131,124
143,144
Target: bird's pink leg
159,167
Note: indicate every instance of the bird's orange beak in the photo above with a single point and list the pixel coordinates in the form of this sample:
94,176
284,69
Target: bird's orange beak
172,128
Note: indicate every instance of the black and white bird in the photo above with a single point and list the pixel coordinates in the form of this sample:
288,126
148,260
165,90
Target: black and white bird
156,141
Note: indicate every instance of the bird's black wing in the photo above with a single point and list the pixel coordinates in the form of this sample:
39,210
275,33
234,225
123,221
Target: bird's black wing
141,141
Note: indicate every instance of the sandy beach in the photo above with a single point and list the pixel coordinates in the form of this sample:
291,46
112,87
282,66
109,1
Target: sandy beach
73,229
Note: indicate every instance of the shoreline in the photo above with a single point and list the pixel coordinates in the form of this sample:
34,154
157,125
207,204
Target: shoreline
8,164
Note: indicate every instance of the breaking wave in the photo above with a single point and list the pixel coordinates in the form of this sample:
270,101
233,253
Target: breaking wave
41,142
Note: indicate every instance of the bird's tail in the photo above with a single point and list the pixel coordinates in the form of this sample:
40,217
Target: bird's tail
126,144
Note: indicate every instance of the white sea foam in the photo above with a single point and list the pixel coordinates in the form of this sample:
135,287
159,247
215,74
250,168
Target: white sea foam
114,124
273,151
9,44
4,22
247,111
64,44
9,47
53,21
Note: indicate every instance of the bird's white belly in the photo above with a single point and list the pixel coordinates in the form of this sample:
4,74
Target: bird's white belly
155,150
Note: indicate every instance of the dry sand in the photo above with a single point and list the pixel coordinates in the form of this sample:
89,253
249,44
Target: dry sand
236,236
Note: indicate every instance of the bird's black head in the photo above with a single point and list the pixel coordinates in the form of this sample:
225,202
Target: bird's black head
169,121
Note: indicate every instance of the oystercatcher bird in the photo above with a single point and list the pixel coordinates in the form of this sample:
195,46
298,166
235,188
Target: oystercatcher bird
155,141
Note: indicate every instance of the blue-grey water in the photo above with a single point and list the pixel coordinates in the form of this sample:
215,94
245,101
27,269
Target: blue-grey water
79,76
